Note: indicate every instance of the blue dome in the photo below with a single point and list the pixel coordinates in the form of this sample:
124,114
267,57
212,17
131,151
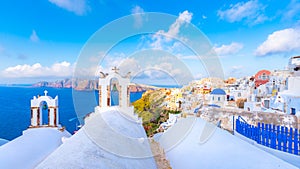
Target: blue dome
218,92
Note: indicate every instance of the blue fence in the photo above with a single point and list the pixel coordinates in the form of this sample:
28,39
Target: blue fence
276,137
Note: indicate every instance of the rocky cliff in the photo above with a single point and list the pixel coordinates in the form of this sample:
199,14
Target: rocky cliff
83,84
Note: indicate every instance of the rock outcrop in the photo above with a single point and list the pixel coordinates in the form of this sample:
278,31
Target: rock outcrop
84,84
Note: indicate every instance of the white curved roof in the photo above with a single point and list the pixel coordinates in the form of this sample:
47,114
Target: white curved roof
100,144
28,150
222,150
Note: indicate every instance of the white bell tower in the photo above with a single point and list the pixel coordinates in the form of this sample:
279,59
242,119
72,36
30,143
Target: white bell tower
114,91
42,104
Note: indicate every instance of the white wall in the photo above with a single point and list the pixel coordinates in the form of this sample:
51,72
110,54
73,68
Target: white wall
217,99
253,106
293,85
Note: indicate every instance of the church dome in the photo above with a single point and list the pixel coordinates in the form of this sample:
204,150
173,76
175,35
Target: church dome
218,91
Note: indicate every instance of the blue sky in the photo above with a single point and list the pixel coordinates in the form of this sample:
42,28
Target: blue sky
41,40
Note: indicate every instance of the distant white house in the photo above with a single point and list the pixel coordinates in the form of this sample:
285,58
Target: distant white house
290,99
170,122
294,64
253,102
277,83
235,94
218,97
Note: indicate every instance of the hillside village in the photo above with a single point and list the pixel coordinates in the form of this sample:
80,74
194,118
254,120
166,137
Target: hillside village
212,119
267,92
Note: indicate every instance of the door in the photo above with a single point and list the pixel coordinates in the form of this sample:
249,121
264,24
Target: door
293,111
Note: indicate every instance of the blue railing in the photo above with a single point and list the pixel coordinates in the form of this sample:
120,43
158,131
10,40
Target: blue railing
276,137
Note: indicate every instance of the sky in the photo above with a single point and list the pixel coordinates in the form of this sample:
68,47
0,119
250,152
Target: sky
44,40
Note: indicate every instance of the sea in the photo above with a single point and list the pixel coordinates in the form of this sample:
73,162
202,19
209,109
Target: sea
15,107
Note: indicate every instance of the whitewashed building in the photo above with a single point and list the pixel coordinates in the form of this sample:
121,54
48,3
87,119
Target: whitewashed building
112,137
235,94
290,99
39,140
218,97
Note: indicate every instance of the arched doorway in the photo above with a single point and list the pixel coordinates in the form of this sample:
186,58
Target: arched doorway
114,92
44,112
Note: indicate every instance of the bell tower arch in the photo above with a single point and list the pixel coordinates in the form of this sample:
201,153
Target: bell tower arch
42,106
114,91
114,82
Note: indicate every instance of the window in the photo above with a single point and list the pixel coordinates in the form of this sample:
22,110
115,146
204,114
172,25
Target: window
219,99
239,94
264,76
293,111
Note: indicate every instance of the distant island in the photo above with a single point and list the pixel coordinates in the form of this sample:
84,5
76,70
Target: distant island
80,84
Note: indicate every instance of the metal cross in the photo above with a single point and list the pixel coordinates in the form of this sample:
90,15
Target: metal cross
115,69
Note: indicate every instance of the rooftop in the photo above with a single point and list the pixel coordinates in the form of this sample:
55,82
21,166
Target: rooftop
218,91
31,148
107,140
194,143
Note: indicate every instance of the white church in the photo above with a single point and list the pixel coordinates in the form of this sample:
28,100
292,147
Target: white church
40,104
112,136
43,136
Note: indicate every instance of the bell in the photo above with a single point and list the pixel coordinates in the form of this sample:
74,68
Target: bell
45,106
114,88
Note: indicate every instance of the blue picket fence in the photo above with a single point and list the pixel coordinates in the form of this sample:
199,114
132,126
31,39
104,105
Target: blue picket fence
276,137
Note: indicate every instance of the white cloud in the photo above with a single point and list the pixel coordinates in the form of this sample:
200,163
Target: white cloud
34,37
183,18
62,69
138,16
161,37
160,71
285,40
79,7
232,48
204,17
251,11
129,65
158,40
